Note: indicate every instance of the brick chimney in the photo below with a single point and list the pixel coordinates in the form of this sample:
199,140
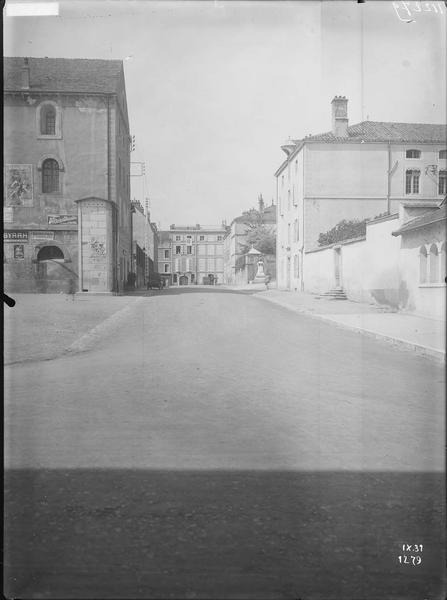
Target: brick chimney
25,74
340,116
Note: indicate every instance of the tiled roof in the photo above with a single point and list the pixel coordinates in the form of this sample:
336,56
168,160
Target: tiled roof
64,74
378,131
426,219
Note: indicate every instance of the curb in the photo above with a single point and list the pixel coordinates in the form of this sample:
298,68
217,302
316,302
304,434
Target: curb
89,339
432,353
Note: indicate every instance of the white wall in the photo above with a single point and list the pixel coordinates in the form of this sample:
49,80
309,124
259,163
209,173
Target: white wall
369,268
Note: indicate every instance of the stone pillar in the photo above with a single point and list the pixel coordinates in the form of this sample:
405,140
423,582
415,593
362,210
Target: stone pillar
96,251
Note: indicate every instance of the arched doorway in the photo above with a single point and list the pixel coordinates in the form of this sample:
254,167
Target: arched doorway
183,280
52,274
50,253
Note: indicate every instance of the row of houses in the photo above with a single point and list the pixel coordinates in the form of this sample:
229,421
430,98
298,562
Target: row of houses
69,223
391,176
191,254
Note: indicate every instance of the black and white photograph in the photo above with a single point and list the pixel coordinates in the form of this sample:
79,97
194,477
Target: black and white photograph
224,296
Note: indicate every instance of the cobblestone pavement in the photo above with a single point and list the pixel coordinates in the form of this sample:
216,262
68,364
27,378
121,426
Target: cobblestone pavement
213,445
42,326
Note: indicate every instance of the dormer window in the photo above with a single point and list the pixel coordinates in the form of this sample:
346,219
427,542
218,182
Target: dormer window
443,154
413,153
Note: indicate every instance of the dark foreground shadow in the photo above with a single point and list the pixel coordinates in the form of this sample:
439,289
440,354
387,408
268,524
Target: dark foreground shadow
223,534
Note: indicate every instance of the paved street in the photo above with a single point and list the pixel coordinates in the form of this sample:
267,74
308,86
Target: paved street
216,446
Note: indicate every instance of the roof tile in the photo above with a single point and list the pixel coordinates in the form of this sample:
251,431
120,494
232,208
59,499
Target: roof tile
378,131
64,74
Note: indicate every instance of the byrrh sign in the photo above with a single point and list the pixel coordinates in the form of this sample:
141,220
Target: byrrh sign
15,236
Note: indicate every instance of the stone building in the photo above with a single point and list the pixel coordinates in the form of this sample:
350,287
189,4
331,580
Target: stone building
236,244
67,217
192,254
144,244
351,172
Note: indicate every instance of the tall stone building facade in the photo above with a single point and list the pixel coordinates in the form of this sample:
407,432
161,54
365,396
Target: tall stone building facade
192,255
67,212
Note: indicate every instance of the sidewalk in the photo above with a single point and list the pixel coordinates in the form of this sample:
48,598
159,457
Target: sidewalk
43,326
408,331
421,334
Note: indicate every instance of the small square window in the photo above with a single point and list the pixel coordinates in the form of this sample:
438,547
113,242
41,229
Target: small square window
413,154
202,238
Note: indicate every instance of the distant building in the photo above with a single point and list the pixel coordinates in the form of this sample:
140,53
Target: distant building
67,217
236,244
144,244
352,172
191,255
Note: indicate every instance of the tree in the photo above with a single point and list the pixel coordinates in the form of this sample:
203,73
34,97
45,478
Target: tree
344,230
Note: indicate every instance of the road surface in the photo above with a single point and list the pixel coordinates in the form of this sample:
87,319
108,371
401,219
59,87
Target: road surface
216,446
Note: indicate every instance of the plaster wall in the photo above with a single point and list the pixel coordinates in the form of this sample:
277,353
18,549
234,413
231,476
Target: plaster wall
95,218
424,298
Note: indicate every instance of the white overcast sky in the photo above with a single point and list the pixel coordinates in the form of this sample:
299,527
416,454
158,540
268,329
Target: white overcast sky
214,88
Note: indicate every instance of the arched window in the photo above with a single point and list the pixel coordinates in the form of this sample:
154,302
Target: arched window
442,182
50,253
412,177
443,154
50,176
422,265
413,153
48,120
434,264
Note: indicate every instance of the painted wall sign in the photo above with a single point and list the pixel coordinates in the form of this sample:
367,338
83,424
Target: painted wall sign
43,235
8,214
19,185
62,219
15,236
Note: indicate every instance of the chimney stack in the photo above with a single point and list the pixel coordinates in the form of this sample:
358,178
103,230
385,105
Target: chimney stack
25,74
340,116
288,147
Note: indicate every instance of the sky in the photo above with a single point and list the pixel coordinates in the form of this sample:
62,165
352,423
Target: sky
214,87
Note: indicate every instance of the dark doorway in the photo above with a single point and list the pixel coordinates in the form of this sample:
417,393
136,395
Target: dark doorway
183,280
50,253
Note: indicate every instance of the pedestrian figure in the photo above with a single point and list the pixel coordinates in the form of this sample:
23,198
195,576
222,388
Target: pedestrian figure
72,288
267,281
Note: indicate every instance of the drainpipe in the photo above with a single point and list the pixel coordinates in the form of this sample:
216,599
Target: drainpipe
303,221
391,171
388,194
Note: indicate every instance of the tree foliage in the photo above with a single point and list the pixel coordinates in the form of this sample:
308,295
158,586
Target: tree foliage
344,230
259,235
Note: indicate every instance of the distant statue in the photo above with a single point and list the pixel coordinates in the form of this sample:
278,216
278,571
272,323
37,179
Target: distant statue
260,276
260,271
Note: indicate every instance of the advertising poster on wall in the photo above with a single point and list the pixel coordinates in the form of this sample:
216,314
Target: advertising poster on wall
19,252
18,185
62,219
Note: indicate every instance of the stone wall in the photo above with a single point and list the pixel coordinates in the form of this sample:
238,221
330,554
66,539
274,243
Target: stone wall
95,218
